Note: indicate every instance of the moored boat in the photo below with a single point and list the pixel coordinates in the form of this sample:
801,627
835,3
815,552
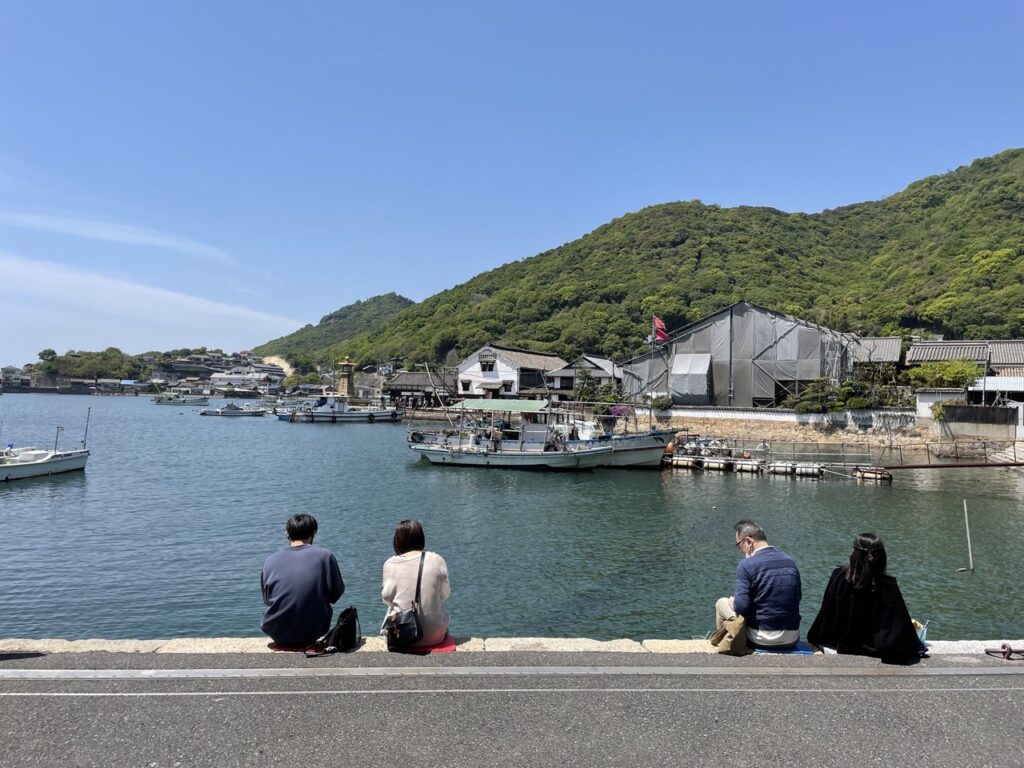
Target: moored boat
25,462
233,410
21,463
476,455
334,409
179,398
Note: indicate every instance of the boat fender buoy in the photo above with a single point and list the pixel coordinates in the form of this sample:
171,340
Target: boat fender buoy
394,414
370,417
334,419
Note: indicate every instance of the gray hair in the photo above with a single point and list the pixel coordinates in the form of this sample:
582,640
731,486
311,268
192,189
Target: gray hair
748,528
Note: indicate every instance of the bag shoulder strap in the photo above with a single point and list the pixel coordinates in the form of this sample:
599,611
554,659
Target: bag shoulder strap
419,577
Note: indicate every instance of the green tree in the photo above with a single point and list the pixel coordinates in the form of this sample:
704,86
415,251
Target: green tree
956,374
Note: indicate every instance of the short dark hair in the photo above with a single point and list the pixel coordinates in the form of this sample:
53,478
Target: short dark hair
867,562
408,536
300,527
748,528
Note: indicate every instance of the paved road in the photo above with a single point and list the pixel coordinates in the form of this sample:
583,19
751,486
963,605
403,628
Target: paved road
507,710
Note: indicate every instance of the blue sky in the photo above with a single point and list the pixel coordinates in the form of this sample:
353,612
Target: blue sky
221,173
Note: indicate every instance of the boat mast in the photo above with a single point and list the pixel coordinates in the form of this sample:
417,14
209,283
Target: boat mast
85,437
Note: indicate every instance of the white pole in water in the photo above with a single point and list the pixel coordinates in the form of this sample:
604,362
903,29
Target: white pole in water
967,525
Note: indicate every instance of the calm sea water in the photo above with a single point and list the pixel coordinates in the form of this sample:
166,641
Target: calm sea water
165,533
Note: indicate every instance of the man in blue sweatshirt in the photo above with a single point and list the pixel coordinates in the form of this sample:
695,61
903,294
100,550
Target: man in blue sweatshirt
767,593
300,583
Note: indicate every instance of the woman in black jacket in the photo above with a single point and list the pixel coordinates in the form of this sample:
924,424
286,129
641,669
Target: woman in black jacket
863,611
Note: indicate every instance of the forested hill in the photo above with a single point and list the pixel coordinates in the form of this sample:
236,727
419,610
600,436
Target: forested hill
945,255
337,327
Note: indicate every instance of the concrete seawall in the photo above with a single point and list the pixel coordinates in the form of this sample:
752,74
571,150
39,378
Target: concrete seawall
374,644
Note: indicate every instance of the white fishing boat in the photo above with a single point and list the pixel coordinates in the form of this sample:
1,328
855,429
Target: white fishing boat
639,449
25,462
334,409
179,398
642,449
234,410
482,455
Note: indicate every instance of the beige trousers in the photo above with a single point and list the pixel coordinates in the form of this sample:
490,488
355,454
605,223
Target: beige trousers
724,611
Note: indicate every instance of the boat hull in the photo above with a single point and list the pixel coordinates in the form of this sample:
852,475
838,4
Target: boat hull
636,451
543,460
365,417
181,401
50,463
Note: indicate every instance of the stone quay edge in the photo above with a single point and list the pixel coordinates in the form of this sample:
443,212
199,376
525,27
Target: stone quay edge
374,644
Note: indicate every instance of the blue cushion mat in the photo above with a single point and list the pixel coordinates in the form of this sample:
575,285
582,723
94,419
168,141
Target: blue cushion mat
801,649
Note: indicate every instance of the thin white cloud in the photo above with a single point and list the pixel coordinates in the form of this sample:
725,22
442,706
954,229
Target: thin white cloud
73,308
110,232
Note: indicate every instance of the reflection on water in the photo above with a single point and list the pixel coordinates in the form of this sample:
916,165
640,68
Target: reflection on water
165,533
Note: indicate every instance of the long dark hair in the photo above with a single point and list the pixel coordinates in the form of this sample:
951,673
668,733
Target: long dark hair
867,562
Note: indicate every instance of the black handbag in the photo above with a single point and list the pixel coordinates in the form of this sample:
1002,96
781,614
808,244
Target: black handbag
403,628
345,635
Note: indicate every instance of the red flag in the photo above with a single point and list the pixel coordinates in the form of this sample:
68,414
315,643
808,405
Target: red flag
660,334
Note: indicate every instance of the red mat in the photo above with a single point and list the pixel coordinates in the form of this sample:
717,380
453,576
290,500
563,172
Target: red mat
445,646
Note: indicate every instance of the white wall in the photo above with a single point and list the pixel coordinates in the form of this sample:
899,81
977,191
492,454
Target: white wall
503,371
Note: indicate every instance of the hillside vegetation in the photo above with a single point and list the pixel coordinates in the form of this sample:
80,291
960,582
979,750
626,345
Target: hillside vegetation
945,255
337,327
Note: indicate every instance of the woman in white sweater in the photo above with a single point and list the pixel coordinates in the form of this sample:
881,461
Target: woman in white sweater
400,573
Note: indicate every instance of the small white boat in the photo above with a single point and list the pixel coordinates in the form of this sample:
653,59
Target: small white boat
334,409
234,410
20,463
178,398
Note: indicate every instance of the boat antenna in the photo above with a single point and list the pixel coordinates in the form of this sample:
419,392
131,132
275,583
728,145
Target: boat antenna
85,437
56,438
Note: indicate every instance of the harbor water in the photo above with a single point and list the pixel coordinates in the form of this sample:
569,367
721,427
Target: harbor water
165,532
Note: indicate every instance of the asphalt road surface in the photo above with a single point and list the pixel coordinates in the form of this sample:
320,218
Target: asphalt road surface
509,709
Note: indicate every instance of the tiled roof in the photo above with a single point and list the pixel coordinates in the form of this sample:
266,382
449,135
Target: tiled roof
1007,352
876,349
522,358
421,379
939,351
999,354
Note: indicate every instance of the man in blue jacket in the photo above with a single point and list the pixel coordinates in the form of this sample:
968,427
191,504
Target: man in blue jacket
767,593
300,583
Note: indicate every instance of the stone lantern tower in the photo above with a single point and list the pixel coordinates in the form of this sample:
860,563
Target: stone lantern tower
345,384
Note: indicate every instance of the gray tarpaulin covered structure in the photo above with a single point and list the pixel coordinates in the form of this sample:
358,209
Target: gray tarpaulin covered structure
743,355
